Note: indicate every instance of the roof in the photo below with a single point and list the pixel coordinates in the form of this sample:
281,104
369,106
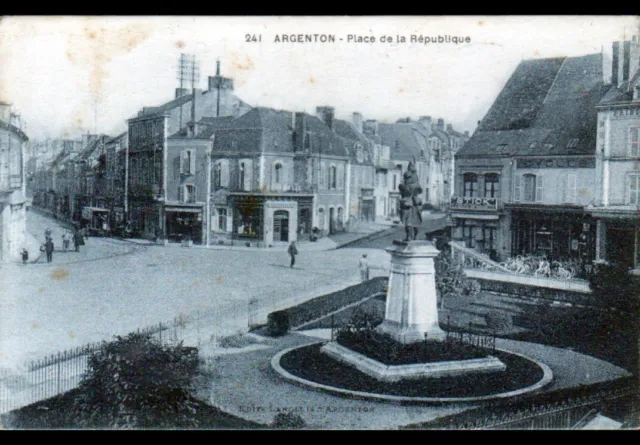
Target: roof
547,106
117,138
15,130
401,139
206,127
178,101
624,93
348,131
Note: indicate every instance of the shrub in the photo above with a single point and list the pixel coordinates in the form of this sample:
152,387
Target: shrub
277,323
135,382
499,321
613,286
471,288
288,421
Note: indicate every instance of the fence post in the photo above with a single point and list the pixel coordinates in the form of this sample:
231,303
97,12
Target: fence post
58,372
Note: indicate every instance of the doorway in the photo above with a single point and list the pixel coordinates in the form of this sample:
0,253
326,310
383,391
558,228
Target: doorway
620,246
281,225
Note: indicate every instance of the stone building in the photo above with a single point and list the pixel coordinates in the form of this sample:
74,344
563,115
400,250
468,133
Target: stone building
524,179
147,145
12,185
616,205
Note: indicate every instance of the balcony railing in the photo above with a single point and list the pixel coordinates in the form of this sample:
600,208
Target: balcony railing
482,204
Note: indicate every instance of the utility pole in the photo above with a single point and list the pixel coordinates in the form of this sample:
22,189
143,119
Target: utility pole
188,71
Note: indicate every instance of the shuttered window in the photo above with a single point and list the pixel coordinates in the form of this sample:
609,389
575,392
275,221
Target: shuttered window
516,188
539,182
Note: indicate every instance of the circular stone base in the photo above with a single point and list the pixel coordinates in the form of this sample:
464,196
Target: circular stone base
308,366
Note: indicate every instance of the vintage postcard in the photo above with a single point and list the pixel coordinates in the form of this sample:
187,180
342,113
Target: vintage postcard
344,223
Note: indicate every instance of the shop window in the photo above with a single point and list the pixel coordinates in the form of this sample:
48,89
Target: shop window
470,185
467,235
222,219
491,185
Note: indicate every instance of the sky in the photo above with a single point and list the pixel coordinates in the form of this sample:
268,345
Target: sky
69,75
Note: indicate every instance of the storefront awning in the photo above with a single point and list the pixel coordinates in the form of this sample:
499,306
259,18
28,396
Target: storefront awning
184,209
481,216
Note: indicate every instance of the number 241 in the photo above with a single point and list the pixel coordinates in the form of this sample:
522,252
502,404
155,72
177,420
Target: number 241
249,38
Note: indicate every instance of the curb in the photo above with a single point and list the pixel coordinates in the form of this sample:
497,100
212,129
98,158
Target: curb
275,364
367,237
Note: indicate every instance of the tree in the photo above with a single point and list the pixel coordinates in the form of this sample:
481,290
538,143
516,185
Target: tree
135,382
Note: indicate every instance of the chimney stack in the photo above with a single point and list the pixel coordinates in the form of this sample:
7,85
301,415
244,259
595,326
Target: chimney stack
326,115
615,62
217,67
441,124
357,121
371,126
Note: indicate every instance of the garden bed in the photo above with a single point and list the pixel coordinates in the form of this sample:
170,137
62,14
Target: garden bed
309,363
386,350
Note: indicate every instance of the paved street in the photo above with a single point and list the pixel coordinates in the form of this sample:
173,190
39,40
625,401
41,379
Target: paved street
114,287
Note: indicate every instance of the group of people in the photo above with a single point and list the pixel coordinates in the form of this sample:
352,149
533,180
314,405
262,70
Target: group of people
363,264
48,247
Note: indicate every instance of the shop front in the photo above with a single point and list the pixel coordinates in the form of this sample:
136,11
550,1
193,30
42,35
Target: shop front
184,224
618,237
558,233
477,222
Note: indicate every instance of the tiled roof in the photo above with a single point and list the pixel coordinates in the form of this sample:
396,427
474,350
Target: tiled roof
546,107
401,140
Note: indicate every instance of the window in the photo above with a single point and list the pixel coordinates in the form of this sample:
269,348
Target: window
218,174
467,235
241,176
188,164
573,143
221,174
491,185
222,219
634,189
532,188
470,185
277,173
634,141
395,180
332,177
189,194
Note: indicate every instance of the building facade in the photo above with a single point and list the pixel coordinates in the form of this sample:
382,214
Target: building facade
616,208
526,176
147,148
13,202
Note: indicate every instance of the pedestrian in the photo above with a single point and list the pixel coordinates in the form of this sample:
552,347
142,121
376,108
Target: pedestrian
48,248
364,267
78,240
47,233
293,251
65,241
25,255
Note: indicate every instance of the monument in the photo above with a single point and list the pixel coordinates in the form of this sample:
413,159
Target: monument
411,312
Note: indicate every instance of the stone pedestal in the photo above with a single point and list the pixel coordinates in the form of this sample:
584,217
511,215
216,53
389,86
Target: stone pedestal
412,310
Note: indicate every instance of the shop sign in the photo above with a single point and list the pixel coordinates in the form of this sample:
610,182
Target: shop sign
556,163
460,202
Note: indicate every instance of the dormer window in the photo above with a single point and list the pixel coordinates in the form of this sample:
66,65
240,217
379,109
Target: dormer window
573,143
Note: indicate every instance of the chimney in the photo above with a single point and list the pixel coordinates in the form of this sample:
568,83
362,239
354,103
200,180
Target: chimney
625,61
449,128
326,114
218,67
441,124
357,121
634,57
425,121
615,62
371,126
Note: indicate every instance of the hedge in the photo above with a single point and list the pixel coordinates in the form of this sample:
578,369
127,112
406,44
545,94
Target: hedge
323,305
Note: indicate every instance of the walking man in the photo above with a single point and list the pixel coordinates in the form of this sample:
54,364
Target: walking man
65,241
364,267
293,251
25,255
48,248
78,239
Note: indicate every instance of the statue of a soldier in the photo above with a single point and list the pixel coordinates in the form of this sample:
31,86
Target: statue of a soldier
410,202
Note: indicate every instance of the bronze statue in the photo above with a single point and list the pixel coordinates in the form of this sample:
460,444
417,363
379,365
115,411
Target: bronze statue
410,202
